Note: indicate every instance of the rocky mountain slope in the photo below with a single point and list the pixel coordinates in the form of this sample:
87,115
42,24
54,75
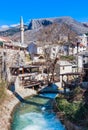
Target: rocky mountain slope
11,31
48,29
72,23
52,33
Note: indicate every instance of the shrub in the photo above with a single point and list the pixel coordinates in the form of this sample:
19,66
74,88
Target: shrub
75,111
69,109
69,58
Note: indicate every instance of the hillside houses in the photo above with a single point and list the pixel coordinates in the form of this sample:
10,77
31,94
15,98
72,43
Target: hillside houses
35,50
54,49
65,67
5,39
16,53
82,39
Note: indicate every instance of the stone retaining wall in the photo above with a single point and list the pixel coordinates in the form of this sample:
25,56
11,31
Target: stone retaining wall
7,107
71,126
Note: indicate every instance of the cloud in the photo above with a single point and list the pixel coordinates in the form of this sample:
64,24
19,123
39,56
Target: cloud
14,25
4,27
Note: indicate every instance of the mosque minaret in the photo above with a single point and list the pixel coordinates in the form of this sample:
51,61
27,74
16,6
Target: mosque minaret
22,30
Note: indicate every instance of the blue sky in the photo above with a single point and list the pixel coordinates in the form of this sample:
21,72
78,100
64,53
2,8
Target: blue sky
11,10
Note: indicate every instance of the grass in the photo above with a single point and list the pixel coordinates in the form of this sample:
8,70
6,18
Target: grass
69,57
27,58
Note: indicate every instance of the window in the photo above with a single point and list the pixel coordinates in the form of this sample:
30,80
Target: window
54,49
63,67
34,69
83,61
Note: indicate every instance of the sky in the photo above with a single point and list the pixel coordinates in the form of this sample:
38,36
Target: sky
11,10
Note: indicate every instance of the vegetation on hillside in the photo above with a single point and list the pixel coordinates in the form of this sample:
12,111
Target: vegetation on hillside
75,109
68,58
27,58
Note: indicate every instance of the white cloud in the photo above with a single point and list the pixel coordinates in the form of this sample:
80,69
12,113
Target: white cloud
14,25
4,27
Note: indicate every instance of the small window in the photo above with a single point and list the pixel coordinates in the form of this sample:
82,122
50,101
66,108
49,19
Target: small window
83,61
54,49
63,67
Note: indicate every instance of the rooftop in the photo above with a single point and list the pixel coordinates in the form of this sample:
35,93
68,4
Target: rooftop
64,63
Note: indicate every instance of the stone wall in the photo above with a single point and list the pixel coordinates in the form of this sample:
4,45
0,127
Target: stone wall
7,107
71,126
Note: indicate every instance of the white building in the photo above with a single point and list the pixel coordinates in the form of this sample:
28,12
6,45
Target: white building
74,50
40,50
54,52
82,39
80,63
83,57
34,49
64,68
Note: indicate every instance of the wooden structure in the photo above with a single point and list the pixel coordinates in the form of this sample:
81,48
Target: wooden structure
14,46
16,70
28,80
26,74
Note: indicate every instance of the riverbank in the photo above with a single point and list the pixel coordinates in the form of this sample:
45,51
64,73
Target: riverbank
72,110
8,105
67,123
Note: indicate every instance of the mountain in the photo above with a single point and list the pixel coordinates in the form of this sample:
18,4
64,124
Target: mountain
48,29
12,30
51,33
85,24
76,26
37,23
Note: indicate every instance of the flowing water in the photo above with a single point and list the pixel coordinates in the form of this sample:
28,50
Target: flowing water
36,116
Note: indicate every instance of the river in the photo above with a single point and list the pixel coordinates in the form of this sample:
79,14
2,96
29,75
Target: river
35,113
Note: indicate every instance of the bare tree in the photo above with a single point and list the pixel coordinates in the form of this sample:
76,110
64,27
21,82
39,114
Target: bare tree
50,65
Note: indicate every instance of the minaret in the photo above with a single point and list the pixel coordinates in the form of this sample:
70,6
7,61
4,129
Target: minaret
21,30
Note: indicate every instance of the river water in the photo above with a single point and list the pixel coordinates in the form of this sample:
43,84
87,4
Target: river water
35,114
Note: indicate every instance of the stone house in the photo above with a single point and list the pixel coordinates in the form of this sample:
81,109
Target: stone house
34,50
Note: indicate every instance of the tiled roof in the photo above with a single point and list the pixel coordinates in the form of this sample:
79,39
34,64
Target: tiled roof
4,39
81,44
